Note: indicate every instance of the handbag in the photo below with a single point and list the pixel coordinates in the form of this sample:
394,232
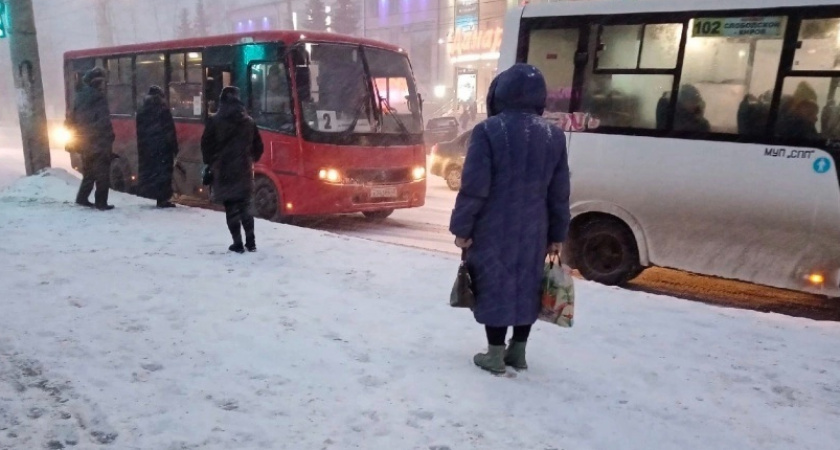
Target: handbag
558,293
462,295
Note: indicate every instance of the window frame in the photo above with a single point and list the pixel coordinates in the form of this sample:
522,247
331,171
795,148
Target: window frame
168,80
130,84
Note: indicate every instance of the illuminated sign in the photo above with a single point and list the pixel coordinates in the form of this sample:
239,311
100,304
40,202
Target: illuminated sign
738,26
475,45
466,15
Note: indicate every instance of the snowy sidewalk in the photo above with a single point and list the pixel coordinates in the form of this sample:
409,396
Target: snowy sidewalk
135,329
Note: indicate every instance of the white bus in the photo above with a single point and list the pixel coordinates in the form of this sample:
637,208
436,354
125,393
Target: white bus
703,135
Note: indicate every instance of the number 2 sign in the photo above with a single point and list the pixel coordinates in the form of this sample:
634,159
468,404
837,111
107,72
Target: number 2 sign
326,120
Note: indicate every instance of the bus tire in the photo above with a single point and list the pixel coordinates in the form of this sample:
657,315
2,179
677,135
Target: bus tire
378,216
452,175
267,200
605,251
119,177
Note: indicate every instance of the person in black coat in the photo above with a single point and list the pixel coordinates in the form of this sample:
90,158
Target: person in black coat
90,119
230,145
157,146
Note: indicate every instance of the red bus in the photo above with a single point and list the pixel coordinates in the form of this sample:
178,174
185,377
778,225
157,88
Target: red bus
340,117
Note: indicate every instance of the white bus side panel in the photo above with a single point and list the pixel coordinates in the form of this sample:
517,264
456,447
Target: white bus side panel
745,211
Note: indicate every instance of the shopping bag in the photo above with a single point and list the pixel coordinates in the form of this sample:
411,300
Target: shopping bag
558,294
462,295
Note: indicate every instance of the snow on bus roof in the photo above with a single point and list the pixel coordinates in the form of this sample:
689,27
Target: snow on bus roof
285,36
604,7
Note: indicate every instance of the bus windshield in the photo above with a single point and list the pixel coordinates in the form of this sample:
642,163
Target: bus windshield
344,93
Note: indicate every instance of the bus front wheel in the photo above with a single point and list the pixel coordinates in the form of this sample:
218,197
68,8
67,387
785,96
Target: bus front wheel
267,200
605,251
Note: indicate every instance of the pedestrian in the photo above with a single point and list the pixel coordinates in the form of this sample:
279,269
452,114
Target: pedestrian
90,119
157,146
512,209
230,145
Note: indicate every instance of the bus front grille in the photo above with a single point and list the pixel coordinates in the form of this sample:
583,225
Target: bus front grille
379,176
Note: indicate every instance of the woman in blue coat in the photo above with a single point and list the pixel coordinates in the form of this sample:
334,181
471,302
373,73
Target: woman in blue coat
512,209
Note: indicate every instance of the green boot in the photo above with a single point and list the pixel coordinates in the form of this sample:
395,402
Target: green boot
493,360
515,355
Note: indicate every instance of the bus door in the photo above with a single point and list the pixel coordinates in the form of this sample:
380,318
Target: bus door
217,64
561,52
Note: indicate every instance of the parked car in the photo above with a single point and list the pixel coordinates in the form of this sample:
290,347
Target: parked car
440,129
447,159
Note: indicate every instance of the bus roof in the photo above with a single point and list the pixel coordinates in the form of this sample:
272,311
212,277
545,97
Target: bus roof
606,7
285,36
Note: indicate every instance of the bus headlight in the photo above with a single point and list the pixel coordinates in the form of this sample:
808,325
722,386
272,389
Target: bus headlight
329,175
418,173
62,136
816,279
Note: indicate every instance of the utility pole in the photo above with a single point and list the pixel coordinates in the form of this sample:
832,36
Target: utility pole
104,30
26,65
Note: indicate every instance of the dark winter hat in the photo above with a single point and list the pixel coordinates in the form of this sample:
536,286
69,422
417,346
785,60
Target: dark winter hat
95,74
230,94
156,91
521,87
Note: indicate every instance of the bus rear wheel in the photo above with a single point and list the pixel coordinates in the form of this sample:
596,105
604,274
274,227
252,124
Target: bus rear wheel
378,216
605,251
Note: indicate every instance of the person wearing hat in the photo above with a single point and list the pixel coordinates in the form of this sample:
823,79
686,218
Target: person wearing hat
798,114
91,120
157,146
689,115
230,145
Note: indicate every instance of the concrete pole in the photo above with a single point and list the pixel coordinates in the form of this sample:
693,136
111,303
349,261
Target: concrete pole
26,65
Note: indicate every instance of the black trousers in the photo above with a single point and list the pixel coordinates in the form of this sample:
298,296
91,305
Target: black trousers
496,335
239,215
96,171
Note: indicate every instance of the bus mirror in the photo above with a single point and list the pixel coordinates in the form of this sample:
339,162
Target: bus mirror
581,58
303,78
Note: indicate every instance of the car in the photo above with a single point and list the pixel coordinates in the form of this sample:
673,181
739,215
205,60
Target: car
447,159
440,129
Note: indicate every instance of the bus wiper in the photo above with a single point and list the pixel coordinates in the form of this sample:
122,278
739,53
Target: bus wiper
389,110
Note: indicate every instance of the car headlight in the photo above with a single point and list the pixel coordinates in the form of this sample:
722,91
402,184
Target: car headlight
330,175
62,136
418,173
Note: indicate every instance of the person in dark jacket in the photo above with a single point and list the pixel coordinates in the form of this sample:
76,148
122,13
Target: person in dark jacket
90,119
690,112
798,115
157,146
512,209
230,145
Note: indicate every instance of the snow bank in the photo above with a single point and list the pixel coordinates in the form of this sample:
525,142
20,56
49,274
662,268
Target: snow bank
135,329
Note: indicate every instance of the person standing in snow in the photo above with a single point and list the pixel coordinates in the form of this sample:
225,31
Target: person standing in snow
90,119
513,208
230,145
157,146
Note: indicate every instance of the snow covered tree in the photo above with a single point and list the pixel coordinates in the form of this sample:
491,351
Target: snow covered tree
183,29
345,17
201,25
316,16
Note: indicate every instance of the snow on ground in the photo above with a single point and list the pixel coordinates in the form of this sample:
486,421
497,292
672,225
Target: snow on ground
135,329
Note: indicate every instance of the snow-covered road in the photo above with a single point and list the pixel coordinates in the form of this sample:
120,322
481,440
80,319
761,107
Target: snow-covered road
135,329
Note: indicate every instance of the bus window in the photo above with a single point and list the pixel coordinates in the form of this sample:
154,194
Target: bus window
394,83
728,75
338,96
119,86
150,72
632,100
185,91
553,52
808,110
818,47
271,103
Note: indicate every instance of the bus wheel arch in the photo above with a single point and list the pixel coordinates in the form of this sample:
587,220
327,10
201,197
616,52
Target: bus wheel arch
604,248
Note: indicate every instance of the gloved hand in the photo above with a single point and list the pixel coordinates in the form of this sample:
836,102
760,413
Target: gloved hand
463,242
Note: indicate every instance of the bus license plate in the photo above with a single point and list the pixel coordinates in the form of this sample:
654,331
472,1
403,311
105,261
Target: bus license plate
383,192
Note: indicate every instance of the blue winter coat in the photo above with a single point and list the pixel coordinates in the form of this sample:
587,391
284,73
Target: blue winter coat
514,198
